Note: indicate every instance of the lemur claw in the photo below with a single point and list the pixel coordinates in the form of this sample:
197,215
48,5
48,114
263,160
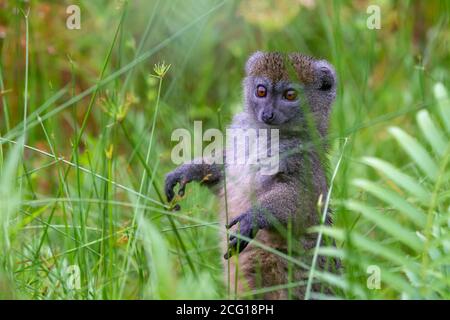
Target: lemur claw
182,187
247,227
172,179
168,186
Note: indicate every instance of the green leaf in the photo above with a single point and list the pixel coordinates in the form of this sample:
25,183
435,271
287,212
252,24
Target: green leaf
416,152
387,224
331,252
401,179
162,283
443,101
416,215
339,282
395,281
374,247
432,133
10,203
390,254
401,285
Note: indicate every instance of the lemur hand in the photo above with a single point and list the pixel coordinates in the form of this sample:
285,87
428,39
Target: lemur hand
249,224
173,178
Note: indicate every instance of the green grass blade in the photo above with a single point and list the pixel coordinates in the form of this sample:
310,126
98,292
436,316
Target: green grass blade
432,133
401,179
416,152
389,225
443,101
415,214
374,247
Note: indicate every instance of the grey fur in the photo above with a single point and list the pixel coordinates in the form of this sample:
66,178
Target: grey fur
260,206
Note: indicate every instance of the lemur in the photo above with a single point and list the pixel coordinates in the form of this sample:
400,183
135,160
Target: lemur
280,92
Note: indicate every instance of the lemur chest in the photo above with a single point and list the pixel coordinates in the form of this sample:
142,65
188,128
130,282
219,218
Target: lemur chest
251,173
242,182
245,180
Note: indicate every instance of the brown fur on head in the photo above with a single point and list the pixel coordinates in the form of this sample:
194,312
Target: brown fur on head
304,67
273,66
270,65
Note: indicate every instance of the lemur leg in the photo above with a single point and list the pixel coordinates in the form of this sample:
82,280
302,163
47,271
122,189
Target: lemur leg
208,174
256,268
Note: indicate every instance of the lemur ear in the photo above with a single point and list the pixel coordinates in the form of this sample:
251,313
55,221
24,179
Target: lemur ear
325,76
252,61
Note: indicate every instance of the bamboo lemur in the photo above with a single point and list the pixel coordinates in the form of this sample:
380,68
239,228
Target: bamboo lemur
281,92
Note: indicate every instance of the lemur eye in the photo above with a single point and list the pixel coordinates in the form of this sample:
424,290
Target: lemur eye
290,95
261,91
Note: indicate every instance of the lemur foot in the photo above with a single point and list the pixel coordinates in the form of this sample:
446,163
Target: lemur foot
248,227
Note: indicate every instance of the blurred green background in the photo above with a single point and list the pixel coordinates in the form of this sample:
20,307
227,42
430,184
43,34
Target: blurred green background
385,76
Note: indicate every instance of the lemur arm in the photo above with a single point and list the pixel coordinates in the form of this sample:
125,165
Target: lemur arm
208,174
276,206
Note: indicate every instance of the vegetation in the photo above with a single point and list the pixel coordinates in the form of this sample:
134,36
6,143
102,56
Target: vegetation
86,118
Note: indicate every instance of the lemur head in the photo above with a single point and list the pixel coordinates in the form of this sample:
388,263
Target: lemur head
277,85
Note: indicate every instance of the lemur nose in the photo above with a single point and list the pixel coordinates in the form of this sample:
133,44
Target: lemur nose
267,116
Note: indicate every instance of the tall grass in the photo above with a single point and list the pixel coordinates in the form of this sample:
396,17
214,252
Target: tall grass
84,150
